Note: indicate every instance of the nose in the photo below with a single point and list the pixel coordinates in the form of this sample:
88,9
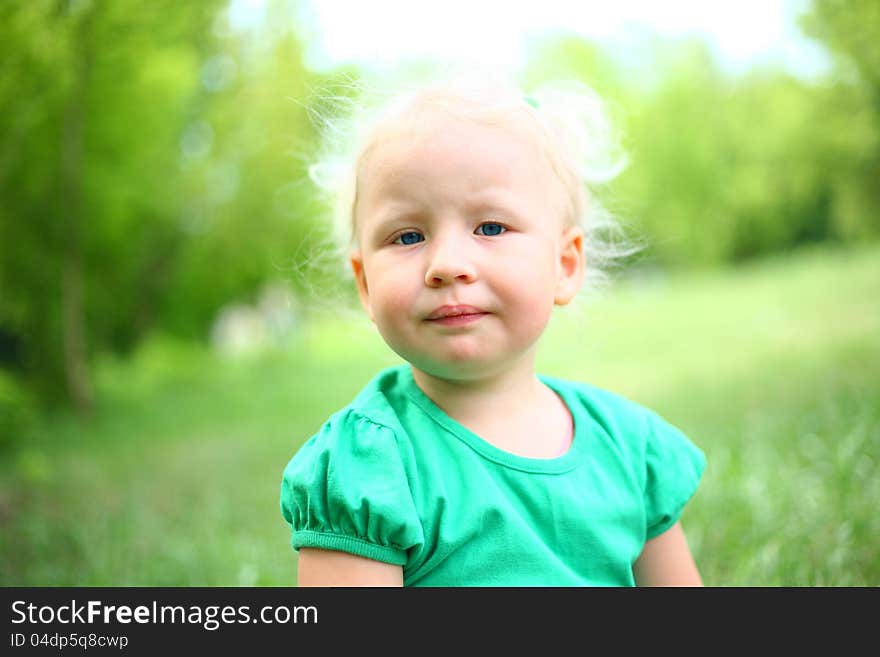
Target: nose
450,261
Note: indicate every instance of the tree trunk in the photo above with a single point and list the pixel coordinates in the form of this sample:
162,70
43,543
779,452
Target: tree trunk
73,312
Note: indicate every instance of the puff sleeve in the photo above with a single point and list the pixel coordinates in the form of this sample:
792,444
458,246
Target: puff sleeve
674,467
347,489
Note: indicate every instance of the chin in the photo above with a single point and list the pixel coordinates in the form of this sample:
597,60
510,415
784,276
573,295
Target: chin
459,368
467,360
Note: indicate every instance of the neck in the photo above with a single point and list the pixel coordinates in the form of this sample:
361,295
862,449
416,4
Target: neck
468,400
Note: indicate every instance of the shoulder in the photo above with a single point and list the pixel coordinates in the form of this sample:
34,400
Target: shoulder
348,487
665,462
634,427
366,426
615,412
357,425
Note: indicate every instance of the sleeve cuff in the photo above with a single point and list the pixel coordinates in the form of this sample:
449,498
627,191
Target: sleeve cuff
357,546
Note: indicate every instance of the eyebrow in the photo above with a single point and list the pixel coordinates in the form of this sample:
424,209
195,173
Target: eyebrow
493,201
400,210
393,215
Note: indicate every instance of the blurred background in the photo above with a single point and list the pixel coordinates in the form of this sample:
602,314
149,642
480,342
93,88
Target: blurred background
171,333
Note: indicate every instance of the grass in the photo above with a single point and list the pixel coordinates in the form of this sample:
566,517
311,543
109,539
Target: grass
772,369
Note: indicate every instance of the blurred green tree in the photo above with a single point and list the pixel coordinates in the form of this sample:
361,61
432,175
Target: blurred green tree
851,29
727,167
149,171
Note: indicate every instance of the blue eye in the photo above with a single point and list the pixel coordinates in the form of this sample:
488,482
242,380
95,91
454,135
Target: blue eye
490,229
409,237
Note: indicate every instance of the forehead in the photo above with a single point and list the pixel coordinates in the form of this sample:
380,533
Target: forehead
468,155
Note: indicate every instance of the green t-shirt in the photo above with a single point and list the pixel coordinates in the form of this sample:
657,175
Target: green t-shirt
392,477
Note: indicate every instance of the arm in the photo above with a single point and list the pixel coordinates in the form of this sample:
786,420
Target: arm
318,567
666,561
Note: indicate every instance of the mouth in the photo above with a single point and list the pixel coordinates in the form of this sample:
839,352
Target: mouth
455,315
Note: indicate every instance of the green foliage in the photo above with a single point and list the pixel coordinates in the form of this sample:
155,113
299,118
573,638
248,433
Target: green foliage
155,152
851,29
725,168
17,412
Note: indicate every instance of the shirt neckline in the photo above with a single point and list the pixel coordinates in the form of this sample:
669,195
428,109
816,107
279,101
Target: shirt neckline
556,465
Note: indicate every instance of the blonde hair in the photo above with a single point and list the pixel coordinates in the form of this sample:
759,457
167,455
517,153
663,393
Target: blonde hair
568,120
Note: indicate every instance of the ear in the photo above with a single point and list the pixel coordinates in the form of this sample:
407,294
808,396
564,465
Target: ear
571,265
360,279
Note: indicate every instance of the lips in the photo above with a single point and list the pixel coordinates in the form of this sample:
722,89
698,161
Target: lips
451,312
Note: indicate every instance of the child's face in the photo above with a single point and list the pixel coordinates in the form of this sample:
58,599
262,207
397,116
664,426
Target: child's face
462,249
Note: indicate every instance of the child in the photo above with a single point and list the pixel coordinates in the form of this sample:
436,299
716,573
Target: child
469,217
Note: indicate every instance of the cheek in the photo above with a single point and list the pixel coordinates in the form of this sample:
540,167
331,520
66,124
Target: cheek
536,313
391,297
530,294
530,272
